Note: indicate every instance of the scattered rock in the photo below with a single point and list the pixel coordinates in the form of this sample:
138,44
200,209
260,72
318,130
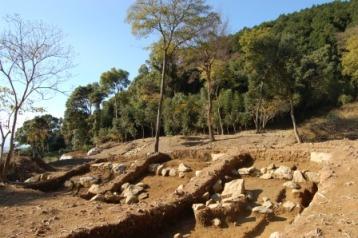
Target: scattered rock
132,190
124,186
197,173
183,168
69,184
267,175
143,196
234,189
172,172
94,189
276,234
292,185
143,185
165,172
93,151
152,168
268,204
263,170
271,167
246,171
159,169
312,176
320,157
206,196
288,205
177,235
262,210
131,198
181,174
218,156
218,186
316,233
283,172
66,157
98,197
33,179
180,190
298,177
216,222
198,206
87,181
216,197
119,168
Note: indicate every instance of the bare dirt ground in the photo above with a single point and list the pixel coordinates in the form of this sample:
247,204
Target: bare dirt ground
333,211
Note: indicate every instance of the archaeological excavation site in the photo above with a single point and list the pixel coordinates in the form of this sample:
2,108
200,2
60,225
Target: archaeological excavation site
198,191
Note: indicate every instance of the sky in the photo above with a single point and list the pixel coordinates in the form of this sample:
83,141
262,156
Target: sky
101,39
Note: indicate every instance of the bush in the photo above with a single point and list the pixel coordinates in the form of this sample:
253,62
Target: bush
344,99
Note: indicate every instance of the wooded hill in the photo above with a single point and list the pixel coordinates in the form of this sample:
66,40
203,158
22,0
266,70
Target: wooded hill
280,70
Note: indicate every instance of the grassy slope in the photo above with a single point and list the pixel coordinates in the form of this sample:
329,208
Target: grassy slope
339,123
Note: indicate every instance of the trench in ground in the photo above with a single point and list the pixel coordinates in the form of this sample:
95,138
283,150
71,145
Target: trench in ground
247,223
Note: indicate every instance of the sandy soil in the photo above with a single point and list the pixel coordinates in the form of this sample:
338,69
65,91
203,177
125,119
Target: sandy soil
29,213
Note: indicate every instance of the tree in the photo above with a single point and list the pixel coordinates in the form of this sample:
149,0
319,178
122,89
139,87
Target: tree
210,47
350,60
33,59
177,22
114,81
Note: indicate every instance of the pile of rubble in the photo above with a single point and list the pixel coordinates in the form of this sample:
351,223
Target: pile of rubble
160,169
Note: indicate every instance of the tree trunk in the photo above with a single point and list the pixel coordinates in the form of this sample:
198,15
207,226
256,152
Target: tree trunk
234,127
159,115
210,105
220,122
11,148
116,105
257,116
142,132
292,113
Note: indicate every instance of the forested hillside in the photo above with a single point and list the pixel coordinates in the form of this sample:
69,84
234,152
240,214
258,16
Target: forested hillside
280,71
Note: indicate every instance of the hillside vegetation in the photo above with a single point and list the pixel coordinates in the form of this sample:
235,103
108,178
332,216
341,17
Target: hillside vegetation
283,70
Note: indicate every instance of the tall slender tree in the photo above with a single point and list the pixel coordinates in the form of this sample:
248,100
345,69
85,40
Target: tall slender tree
177,22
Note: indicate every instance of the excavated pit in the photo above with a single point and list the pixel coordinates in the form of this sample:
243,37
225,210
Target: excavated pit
164,213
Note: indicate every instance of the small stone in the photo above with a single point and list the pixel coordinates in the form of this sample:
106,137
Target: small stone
218,156
234,188
177,235
93,151
266,176
94,189
210,201
263,170
292,185
265,199
124,186
152,168
206,196
298,177
214,205
216,222
250,195
181,174
320,157
165,172
276,234
218,186
159,169
216,197
197,173
132,190
69,184
119,168
312,176
131,198
172,172
198,206
143,196
180,190
283,172
246,171
183,168
268,204
143,185
262,210
289,206
271,167
87,181
98,197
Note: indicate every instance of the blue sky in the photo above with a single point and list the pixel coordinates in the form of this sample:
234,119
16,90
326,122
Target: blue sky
101,39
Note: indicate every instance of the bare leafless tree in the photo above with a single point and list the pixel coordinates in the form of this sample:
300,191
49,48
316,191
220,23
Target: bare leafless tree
33,62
